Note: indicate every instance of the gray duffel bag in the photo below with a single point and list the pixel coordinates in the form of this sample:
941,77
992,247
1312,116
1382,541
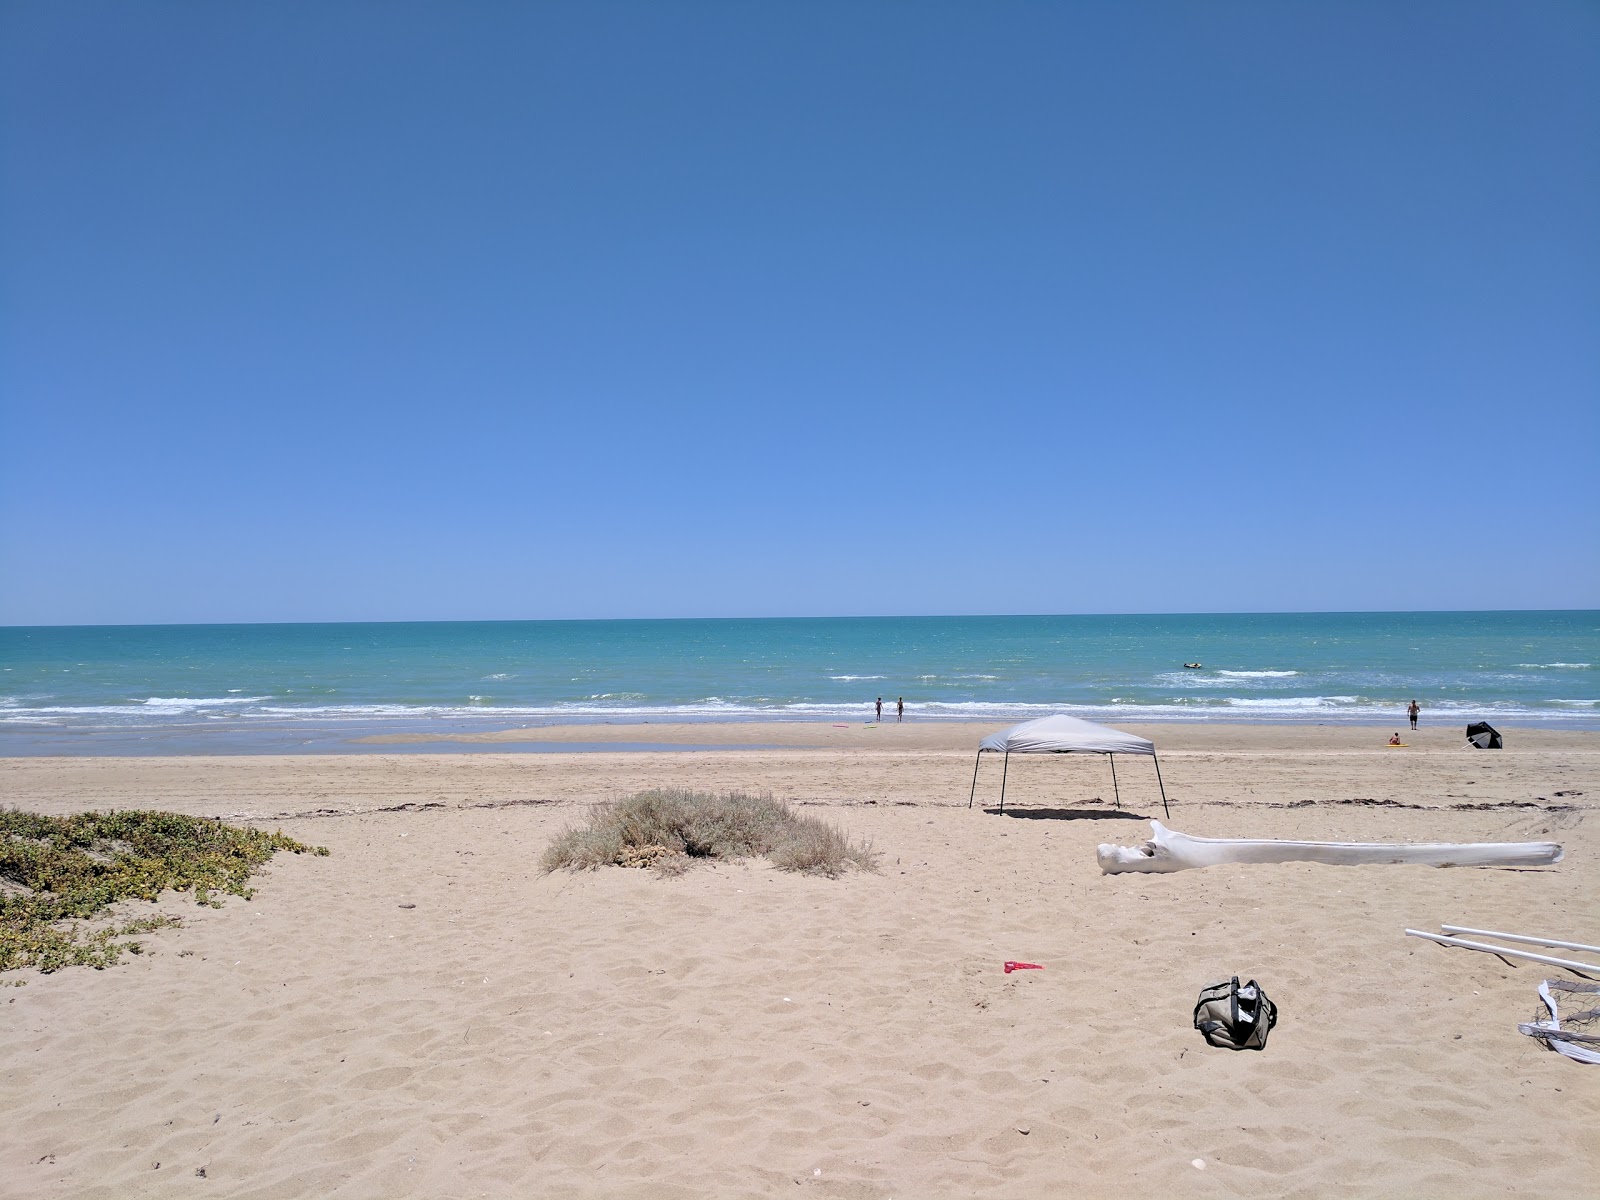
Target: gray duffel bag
1235,1016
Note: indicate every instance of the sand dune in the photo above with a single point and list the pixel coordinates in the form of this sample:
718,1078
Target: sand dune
740,1031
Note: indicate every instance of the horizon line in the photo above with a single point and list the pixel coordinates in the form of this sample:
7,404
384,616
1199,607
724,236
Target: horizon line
1308,612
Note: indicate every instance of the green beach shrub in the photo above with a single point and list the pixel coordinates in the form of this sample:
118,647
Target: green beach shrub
60,874
667,829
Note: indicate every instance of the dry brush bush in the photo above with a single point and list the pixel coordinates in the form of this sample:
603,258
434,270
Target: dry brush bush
667,829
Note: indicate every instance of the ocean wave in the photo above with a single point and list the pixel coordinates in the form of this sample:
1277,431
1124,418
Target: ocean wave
176,713
1189,681
189,702
363,711
855,678
1560,666
155,706
87,710
1336,709
1292,703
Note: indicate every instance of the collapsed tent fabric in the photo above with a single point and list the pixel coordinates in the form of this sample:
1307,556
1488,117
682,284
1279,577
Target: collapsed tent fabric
1061,734
1484,736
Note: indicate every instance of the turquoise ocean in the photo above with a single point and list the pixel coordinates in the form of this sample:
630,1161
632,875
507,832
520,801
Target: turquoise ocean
280,688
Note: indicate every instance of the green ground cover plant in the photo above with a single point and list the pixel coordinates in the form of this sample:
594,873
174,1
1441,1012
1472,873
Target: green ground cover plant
668,829
59,876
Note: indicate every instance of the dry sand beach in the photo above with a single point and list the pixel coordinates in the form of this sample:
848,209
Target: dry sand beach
423,1013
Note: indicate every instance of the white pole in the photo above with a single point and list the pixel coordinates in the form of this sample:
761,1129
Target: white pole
1543,958
1517,937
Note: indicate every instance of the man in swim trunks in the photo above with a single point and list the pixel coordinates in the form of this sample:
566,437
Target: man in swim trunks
1412,713
879,717
900,709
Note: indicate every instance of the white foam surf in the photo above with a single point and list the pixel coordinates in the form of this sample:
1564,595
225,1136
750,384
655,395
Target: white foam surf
180,703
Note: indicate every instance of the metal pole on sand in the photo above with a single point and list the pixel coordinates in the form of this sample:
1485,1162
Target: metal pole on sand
1505,951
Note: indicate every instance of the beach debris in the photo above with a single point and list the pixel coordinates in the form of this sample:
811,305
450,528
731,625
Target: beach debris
1507,951
1199,1164
1579,1037
1169,850
1234,1015
408,906
1484,736
641,856
1520,937
1021,966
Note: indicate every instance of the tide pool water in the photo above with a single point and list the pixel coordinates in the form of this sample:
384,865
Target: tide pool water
231,688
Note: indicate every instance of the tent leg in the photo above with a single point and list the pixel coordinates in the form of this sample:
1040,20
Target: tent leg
974,790
1163,786
1114,790
1004,767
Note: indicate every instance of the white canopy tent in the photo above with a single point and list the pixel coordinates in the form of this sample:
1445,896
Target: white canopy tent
1062,734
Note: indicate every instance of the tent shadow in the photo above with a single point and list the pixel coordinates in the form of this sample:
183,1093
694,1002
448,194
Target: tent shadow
1066,814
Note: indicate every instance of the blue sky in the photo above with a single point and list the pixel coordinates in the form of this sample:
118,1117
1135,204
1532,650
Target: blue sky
346,311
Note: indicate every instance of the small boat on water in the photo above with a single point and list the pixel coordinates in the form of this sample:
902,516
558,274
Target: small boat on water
1194,666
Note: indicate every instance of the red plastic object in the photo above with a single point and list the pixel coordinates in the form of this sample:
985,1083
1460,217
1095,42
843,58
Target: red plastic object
1016,966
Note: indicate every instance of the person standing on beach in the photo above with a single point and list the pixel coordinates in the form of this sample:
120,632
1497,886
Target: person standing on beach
880,708
900,709
1412,713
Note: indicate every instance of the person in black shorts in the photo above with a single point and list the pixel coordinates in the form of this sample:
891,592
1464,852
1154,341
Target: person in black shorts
1412,713
900,709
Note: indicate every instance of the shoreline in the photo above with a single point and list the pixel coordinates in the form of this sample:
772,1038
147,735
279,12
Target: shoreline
954,735
647,736
1203,766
